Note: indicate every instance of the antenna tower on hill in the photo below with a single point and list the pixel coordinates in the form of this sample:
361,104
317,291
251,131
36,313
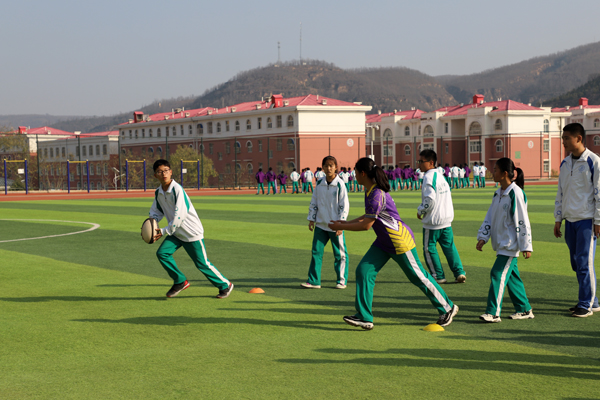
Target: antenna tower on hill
300,42
278,52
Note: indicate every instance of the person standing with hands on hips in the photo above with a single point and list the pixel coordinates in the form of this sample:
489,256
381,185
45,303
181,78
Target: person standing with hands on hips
578,202
394,240
329,201
507,225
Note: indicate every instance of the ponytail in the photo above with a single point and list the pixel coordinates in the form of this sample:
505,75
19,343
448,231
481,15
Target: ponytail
375,173
505,164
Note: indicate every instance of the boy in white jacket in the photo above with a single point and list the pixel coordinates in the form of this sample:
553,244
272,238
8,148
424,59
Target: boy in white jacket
184,229
437,212
329,203
578,202
507,225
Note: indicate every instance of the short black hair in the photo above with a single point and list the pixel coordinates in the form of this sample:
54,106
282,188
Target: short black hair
160,163
575,129
429,155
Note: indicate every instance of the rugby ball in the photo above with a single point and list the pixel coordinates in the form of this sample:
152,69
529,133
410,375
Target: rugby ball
149,228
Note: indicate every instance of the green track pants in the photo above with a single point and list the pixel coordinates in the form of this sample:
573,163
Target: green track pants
371,264
506,274
271,185
445,237
197,253
282,187
260,186
340,254
295,187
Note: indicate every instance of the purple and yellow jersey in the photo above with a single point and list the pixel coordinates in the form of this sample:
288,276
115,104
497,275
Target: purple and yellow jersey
393,235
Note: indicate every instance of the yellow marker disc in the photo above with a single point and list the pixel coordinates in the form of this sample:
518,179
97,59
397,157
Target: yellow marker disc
434,328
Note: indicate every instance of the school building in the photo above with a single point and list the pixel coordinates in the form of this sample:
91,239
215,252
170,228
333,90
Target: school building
282,133
481,132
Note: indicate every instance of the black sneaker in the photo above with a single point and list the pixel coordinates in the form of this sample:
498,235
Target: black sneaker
352,320
446,319
594,309
223,293
582,312
178,287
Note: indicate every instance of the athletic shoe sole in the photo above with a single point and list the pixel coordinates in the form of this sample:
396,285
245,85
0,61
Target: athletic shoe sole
522,316
309,286
227,293
452,312
187,285
491,321
340,286
358,323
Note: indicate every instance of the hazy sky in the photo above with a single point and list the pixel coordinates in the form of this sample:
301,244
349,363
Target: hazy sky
103,57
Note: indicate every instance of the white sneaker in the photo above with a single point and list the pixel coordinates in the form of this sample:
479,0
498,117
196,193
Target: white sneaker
440,281
307,285
461,279
596,309
489,318
352,320
523,315
340,286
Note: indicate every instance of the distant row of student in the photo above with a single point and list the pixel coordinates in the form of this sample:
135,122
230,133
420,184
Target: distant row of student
301,182
506,225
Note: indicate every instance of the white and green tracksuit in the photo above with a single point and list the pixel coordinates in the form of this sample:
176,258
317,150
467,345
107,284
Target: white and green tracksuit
184,229
507,225
437,213
329,202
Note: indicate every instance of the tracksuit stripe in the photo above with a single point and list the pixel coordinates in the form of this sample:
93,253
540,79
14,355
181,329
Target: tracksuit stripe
502,285
427,282
212,267
428,254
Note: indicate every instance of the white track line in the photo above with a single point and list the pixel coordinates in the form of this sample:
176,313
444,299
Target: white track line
94,227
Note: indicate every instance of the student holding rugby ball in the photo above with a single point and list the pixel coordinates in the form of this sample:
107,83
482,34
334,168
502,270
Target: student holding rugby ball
184,229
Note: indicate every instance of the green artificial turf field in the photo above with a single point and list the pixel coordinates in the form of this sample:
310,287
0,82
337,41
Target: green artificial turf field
85,316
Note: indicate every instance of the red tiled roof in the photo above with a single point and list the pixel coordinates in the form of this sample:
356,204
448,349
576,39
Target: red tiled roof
46,130
502,105
409,114
308,100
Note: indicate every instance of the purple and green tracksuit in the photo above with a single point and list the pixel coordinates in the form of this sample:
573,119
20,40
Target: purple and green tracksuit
271,182
395,240
260,182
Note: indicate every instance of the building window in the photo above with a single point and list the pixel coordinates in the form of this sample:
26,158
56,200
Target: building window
159,150
446,148
136,133
91,150
226,126
227,148
426,146
249,146
419,131
105,169
291,165
219,155
597,123
260,146
218,127
227,168
238,148
269,123
151,151
546,165
46,153
248,125
51,152
498,125
210,148
237,126
190,129
104,149
131,135
97,150
474,146
250,168
407,131
144,132
270,153
546,145
596,140
446,127
84,149
546,126
159,133
407,150
200,129
63,151
290,121
180,130
279,121
291,145
428,131
279,145
259,123
475,129
209,127
499,146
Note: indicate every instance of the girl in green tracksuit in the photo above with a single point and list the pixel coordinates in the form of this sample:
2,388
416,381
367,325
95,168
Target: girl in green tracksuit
507,225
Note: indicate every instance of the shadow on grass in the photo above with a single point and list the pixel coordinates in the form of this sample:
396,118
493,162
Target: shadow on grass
523,363
42,299
545,338
184,320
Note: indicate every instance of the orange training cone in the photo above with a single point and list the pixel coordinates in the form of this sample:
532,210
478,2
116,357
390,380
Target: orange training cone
256,290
